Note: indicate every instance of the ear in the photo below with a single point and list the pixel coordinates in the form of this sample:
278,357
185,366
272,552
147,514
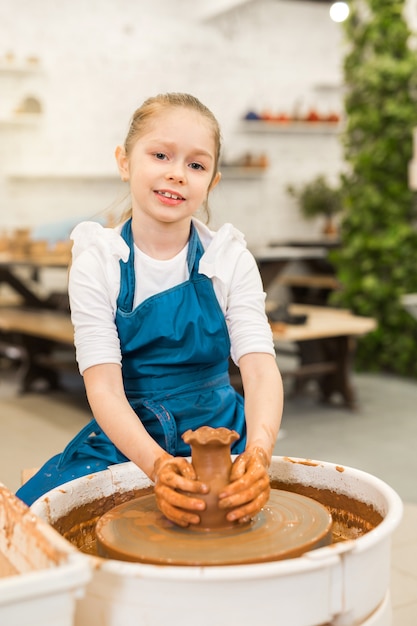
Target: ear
216,180
122,163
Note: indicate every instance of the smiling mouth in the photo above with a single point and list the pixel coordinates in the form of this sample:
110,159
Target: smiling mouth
167,194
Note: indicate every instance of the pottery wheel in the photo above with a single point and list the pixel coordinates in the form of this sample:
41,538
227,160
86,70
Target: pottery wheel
288,526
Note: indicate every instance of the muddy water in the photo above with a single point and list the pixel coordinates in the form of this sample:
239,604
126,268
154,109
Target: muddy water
351,518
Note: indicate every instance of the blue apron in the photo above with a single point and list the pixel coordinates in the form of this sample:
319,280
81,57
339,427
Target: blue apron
175,355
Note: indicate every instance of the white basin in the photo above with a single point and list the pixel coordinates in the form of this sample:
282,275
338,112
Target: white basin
344,584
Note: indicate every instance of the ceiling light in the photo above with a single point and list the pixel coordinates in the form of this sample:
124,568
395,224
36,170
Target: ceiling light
339,11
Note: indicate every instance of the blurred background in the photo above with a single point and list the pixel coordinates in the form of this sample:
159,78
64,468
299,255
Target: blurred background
71,75
317,101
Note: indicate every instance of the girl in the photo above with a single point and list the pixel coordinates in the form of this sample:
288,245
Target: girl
159,304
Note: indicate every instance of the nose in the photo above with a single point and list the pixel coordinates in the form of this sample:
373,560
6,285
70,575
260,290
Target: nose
176,172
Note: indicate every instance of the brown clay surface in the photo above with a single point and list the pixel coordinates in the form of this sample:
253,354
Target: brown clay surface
78,526
351,518
287,526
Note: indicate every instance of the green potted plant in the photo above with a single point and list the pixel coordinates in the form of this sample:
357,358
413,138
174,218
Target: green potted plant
318,198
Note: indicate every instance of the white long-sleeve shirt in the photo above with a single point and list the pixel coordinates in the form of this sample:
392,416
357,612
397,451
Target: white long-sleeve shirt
94,284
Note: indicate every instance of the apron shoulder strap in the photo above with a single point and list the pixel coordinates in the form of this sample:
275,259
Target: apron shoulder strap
127,272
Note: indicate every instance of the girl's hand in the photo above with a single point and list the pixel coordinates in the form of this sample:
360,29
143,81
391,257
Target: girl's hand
172,474
250,487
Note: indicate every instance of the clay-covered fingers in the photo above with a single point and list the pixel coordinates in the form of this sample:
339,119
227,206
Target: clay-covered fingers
247,499
251,464
175,472
178,507
173,477
250,487
247,511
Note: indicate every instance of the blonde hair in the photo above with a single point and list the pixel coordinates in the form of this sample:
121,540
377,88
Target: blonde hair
154,105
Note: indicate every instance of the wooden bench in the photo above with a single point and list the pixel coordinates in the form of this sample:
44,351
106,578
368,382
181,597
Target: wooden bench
37,334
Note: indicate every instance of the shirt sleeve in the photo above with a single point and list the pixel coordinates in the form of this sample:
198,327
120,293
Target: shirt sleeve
239,290
94,282
248,324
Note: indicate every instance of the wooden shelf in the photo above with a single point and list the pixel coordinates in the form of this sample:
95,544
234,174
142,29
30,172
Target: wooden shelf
28,112
19,67
21,119
296,128
65,177
231,171
217,8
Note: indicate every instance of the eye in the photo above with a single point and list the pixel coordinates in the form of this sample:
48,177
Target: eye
160,155
197,166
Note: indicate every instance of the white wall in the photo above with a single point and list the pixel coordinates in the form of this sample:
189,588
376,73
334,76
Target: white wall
100,59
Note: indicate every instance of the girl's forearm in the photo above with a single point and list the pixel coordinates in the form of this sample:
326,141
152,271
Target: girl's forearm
120,423
264,395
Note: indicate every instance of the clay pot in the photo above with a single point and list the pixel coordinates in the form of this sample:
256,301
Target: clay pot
210,457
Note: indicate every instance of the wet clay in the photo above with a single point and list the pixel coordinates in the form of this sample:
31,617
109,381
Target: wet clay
288,525
210,457
351,518
78,526
283,529
24,546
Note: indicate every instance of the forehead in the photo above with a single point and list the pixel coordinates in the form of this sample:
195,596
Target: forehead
180,124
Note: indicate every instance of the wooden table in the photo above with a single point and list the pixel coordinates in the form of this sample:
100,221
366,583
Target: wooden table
322,322
37,333
50,325
8,275
326,344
